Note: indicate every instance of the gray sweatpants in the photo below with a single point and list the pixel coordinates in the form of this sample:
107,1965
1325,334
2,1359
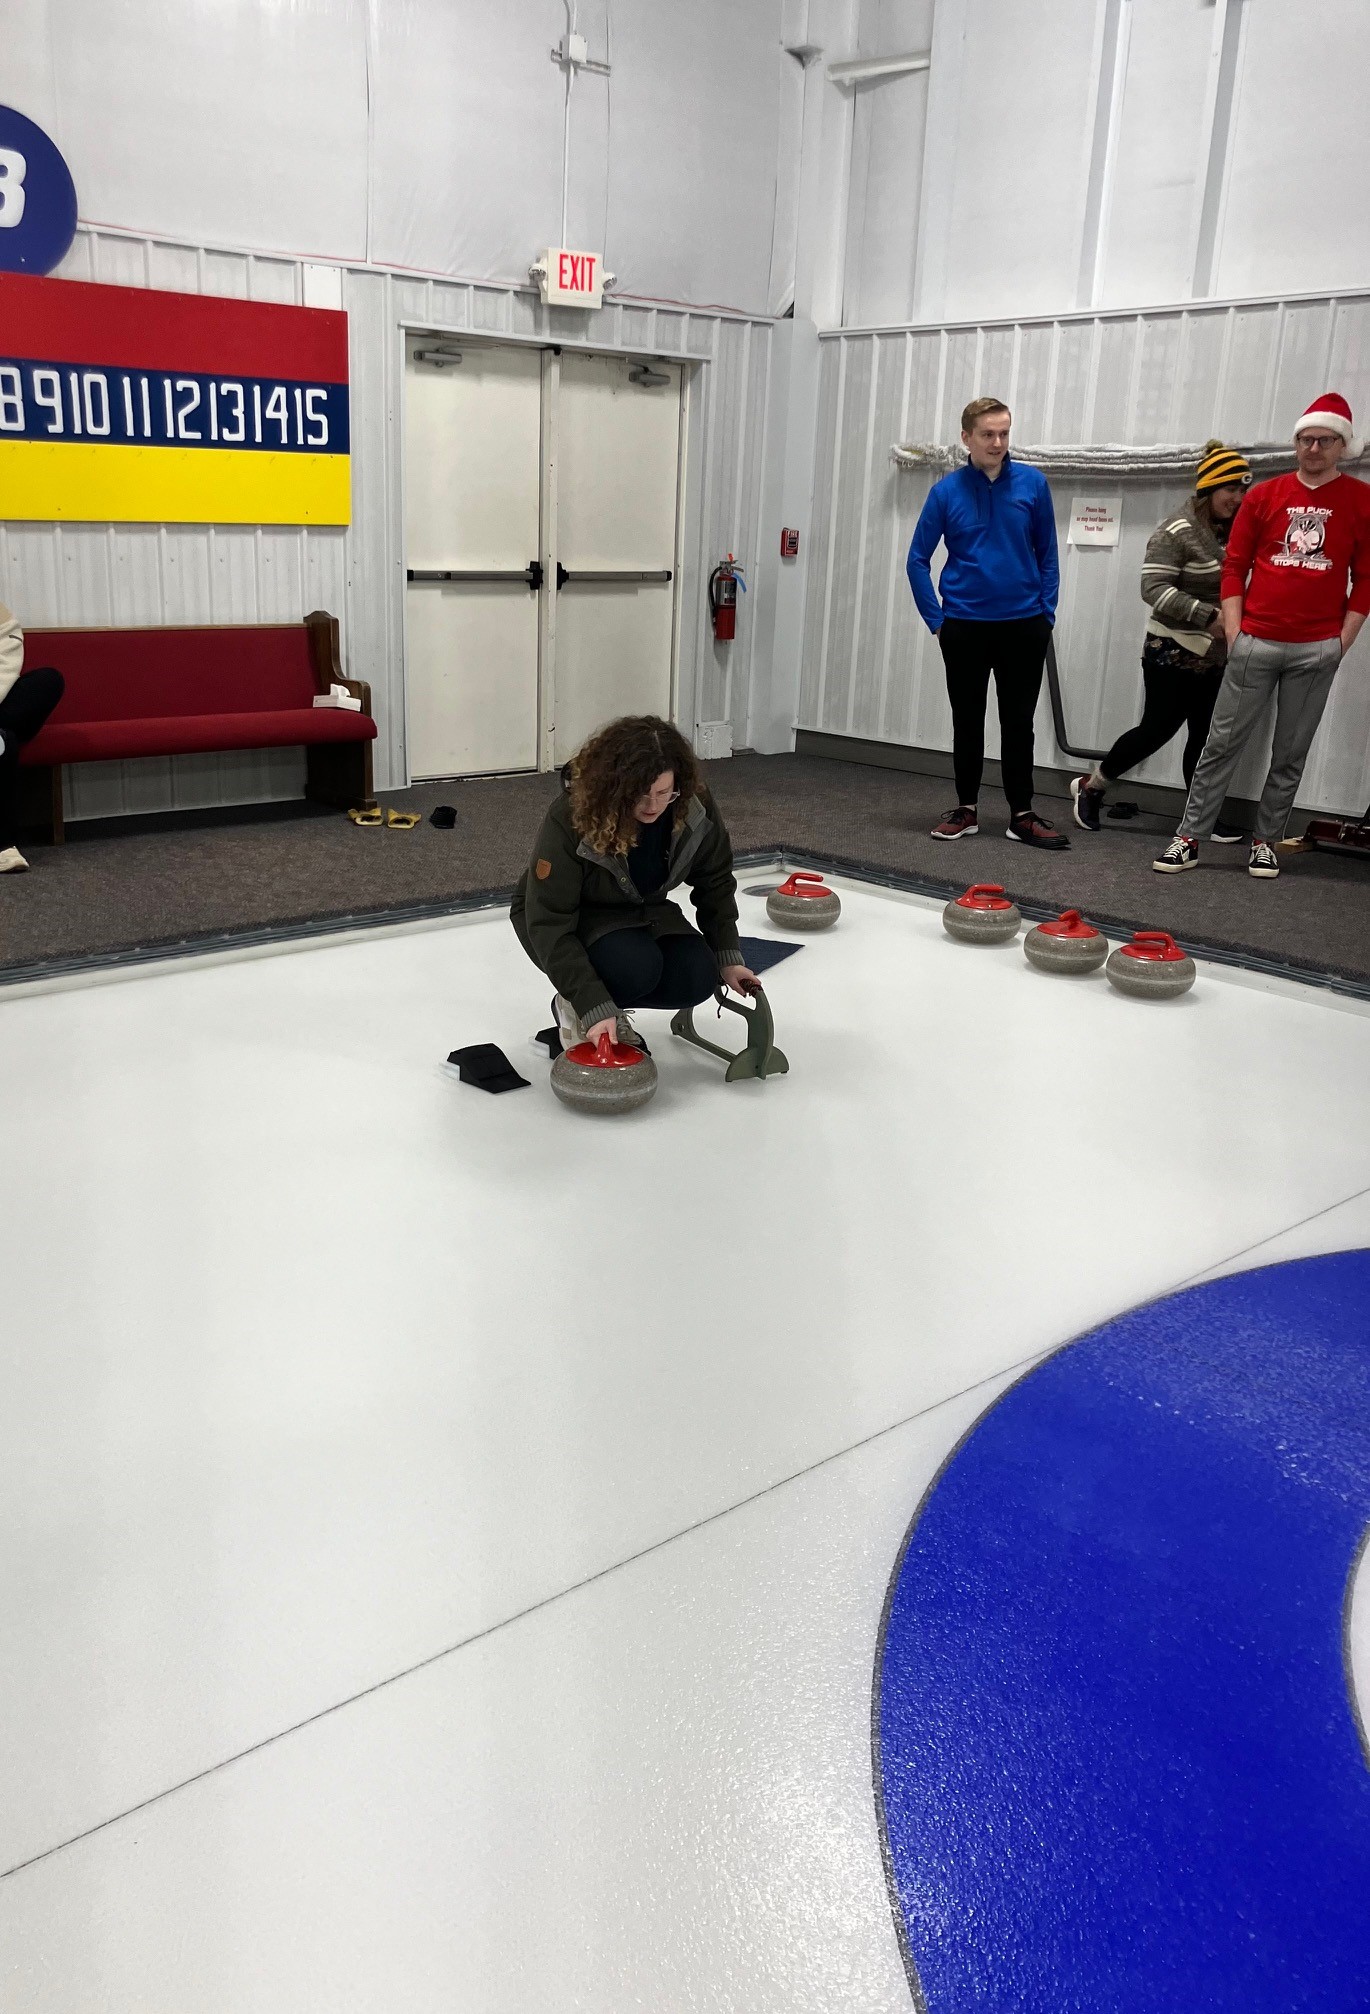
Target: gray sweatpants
1299,677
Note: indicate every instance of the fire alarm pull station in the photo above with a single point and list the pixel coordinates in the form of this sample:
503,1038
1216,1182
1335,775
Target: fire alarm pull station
789,544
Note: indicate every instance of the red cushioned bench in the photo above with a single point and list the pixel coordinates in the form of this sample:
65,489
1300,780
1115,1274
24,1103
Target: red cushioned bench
138,692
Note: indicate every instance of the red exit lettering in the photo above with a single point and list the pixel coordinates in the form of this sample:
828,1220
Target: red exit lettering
576,272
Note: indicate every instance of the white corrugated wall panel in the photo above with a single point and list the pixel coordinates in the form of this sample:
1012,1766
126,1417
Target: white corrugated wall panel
92,574
1243,371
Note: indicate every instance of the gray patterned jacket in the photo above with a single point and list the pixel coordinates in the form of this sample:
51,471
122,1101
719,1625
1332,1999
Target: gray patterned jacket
1181,578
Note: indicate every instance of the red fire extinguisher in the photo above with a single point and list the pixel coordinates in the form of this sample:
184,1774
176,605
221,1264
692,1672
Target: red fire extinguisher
724,582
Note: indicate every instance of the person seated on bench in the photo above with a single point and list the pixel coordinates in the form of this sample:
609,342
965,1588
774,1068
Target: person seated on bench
591,909
26,700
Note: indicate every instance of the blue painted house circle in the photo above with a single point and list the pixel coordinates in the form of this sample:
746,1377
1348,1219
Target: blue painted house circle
37,197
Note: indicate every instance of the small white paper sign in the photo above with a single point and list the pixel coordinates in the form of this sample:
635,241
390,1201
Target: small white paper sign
1095,520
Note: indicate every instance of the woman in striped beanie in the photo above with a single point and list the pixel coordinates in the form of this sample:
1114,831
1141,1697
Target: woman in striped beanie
1184,652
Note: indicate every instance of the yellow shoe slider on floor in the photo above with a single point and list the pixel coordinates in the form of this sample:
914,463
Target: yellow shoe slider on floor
402,821
365,814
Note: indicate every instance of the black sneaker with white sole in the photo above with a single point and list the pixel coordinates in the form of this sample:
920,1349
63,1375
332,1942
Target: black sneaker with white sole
1182,852
1263,863
1226,835
1088,801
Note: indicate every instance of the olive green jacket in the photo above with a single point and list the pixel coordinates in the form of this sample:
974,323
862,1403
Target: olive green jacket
569,895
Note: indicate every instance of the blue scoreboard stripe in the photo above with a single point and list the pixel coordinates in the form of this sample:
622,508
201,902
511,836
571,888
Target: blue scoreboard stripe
184,409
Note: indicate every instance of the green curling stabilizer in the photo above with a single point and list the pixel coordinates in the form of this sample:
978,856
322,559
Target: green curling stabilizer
760,1058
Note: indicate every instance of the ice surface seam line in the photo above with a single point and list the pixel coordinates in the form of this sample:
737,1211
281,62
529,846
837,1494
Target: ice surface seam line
631,1559
520,1615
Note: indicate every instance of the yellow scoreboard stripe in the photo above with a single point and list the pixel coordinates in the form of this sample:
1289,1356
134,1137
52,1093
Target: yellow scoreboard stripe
148,485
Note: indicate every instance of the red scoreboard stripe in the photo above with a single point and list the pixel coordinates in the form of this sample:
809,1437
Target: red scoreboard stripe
140,328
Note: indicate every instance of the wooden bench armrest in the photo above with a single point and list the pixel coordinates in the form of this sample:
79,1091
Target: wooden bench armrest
325,655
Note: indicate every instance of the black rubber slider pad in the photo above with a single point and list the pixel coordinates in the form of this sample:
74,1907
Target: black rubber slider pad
487,1067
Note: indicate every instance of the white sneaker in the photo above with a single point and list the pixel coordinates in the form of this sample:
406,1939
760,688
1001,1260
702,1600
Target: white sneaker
568,1021
1263,863
626,1035
12,861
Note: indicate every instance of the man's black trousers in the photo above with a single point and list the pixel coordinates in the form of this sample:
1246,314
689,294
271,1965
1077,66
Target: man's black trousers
23,710
1015,653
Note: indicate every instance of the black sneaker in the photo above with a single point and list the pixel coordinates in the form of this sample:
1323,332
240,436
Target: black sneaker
961,822
1263,863
1182,852
1226,835
1089,802
1034,831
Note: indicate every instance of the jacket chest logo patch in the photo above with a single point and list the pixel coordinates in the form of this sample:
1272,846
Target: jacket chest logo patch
542,868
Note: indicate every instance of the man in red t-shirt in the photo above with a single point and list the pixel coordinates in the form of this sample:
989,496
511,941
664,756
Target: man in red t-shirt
1295,591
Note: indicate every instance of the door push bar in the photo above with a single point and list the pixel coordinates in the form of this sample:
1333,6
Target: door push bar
658,576
531,575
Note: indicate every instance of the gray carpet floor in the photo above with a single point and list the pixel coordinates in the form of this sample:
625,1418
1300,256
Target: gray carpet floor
140,884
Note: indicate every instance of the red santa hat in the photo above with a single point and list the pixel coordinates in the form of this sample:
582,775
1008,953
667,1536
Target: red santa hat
1332,415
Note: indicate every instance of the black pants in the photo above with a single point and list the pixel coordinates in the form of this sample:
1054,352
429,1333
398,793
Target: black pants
1178,690
23,710
1015,652
645,971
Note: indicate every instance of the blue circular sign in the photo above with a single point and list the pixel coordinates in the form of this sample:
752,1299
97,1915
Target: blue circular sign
37,198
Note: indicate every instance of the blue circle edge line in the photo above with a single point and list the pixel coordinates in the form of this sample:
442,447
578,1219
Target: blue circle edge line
877,1773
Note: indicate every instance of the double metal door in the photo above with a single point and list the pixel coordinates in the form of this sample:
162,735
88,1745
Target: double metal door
540,529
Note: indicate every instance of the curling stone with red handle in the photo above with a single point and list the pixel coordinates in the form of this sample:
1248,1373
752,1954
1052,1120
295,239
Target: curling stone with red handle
983,915
803,903
1151,966
1067,944
607,1079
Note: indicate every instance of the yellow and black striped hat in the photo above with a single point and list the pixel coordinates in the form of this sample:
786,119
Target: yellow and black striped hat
1219,465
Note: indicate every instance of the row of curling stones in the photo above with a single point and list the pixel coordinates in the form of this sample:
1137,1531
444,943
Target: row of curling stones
804,902
1151,966
605,1078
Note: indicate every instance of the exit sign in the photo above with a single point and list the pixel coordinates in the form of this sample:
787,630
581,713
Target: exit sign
571,279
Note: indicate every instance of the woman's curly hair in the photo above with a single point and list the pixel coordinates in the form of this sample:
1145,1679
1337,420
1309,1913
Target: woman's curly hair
616,767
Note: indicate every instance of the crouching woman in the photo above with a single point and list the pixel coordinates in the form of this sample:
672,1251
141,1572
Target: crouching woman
592,909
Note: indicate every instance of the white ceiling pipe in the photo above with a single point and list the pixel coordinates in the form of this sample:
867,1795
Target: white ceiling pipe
862,71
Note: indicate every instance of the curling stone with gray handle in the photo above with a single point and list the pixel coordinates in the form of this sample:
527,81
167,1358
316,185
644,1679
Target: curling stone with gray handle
605,1080
1067,944
983,915
803,903
1151,967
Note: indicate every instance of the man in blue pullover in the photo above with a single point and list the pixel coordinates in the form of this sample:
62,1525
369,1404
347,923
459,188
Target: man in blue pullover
999,588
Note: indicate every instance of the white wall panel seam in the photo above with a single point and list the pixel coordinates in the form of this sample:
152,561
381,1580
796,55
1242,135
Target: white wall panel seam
896,575
833,503
860,544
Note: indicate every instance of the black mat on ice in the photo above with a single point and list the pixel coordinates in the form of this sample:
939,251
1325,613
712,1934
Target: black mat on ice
760,953
138,884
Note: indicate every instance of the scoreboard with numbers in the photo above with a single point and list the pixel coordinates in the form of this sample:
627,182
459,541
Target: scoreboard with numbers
121,404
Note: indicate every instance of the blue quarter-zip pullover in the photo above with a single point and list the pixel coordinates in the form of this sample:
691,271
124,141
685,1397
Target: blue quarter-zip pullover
1001,547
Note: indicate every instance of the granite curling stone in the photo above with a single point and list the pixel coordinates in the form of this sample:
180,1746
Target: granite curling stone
1151,967
1067,944
983,915
607,1079
803,903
